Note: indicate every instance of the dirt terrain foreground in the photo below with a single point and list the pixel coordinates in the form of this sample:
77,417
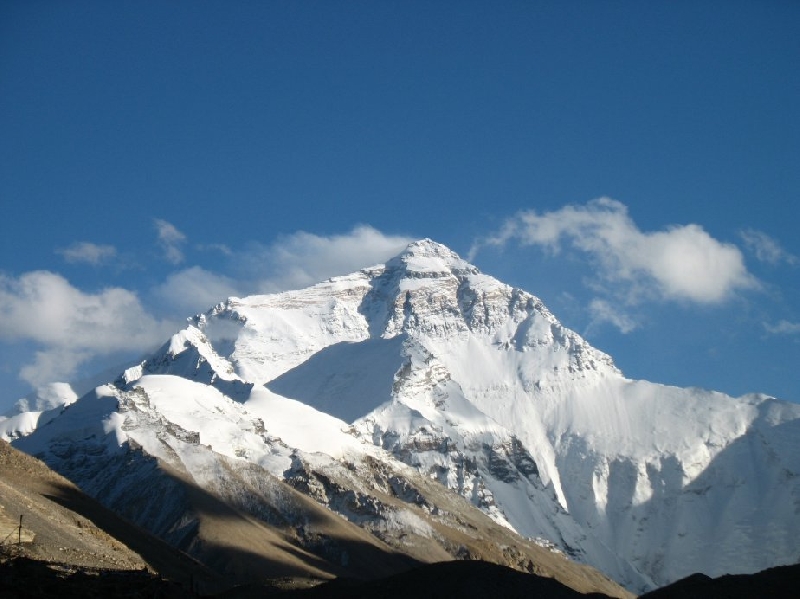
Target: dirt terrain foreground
65,528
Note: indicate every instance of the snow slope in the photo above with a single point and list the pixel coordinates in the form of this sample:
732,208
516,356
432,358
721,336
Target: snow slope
427,362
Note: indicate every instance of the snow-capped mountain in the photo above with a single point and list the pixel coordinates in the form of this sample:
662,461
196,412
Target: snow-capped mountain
374,392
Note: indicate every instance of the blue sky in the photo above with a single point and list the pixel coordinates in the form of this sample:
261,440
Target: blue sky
633,164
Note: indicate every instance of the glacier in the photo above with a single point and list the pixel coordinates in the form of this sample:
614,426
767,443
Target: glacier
433,369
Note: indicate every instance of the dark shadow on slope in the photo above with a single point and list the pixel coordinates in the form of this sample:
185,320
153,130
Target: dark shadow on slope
26,578
777,583
173,511
345,380
30,579
377,305
241,567
231,542
449,579
165,559
311,536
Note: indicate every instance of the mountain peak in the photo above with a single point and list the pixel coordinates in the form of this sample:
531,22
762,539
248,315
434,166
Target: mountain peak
427,257
428,246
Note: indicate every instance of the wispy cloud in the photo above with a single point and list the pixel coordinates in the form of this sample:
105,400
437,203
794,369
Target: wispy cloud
291,262
215,247
69,325
784,327
602,311
679,263
194,290
89,253
171,241
767,249
302,259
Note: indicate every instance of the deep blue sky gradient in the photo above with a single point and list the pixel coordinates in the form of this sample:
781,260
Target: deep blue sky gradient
241,122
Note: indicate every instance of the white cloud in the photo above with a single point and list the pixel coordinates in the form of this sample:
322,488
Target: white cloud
679,263
215,247
784,327
766,248
87,252
302,259
171,241
54,364
71,326
194,290
603,312
291,262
